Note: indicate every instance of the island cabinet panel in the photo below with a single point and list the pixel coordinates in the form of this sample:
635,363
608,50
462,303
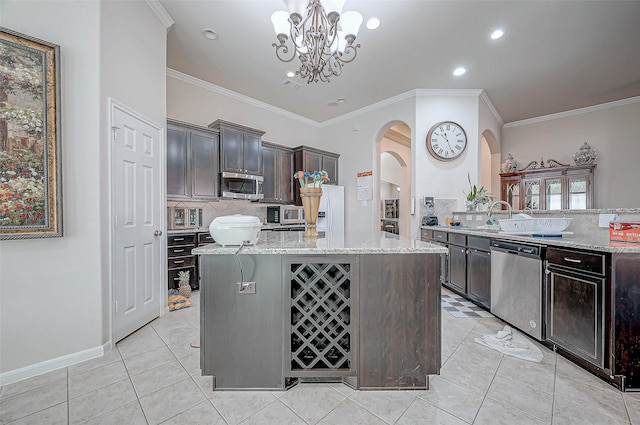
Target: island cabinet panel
241,335
399,335
625,322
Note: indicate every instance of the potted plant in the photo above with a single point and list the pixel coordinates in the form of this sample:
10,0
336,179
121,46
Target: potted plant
477,196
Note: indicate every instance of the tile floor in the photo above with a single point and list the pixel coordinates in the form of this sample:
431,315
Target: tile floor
153,377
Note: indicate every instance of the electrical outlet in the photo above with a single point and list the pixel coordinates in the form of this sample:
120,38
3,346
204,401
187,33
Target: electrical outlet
246,288
479,217
456,217
469,217
604,219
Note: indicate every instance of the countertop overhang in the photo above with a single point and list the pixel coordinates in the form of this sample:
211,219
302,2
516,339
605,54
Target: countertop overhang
594,242
294,243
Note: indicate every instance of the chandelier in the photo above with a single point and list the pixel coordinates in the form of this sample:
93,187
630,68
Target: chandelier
321,37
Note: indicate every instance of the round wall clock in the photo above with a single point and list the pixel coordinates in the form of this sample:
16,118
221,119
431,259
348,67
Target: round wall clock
446,141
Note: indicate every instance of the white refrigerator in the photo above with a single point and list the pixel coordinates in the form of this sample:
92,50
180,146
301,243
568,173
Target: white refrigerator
331,212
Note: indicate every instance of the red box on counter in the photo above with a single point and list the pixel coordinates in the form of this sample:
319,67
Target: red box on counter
624,231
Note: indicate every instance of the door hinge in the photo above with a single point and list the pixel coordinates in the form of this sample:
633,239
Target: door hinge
116,304
115,132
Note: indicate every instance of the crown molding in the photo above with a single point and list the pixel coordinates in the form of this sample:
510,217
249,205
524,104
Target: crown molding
574,112
172,73
161,13
487,102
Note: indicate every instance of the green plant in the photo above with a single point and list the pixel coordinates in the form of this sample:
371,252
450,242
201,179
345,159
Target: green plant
478,195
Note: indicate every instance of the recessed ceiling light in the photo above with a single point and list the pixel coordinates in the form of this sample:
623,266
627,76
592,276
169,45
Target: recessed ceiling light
373,23
210,34
459,71
497,34
341,100
332,103
291,74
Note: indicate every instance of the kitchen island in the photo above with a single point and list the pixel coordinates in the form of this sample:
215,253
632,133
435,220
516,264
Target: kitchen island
364,310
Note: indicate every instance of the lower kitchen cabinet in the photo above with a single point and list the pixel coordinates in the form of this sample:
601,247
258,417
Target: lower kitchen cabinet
479,270
457,263
179,258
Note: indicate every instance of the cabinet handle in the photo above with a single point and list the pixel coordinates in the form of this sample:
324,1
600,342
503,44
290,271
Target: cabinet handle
178,250
178,261
178,239
571,260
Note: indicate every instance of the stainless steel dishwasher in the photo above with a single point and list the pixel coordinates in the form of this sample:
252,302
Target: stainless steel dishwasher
516,285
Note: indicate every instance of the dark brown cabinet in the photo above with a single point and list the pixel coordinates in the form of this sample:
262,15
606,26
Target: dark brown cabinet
240,148
192,162
277,165
549,188
479,270
179,258
310,159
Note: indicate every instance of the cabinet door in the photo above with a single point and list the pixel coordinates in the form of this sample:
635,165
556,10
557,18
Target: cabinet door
252,154
312,162
178,184
479,277
458,268
270,173
231,147
284,176
204,165
330,165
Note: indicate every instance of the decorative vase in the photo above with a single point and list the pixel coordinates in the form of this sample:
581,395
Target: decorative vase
310,202
470,205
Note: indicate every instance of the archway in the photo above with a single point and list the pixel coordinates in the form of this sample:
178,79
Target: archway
490,160
394,178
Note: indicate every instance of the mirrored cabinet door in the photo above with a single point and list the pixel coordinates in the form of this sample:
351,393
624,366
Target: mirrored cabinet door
578,193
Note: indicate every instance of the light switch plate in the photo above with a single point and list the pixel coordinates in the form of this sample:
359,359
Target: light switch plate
604,219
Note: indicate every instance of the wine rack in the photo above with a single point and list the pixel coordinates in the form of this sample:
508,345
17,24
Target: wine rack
320,316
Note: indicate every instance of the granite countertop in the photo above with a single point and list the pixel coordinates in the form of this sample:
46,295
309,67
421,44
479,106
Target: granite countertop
594,242
294,243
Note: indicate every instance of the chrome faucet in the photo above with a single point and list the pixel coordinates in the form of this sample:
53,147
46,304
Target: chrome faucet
499,202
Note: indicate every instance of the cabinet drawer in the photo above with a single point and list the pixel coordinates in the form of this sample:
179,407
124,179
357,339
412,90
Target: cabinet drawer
584,261
457,239
182,239
478,243
179,251
426,235
181,261
440,236
204,238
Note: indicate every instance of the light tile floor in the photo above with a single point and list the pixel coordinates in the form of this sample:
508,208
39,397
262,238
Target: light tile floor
153,377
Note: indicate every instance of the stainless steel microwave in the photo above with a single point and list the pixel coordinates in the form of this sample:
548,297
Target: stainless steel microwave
285,214
241,186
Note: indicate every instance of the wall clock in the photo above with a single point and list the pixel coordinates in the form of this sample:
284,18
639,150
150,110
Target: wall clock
446,141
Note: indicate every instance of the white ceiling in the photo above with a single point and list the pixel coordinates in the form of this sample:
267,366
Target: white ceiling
556,55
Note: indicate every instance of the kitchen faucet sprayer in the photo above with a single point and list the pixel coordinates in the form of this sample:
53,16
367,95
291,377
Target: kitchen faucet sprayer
509,208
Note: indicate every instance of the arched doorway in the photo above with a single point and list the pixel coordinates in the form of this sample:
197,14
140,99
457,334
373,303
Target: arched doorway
394,183
490,159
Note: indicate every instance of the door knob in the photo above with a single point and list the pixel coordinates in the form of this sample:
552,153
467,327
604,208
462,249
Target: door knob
157,233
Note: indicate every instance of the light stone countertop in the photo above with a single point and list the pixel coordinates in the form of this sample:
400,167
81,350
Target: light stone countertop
294,243
594,242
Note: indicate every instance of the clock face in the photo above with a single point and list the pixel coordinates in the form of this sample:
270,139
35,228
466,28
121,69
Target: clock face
446,141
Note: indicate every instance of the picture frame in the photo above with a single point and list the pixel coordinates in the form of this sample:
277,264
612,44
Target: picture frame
30,138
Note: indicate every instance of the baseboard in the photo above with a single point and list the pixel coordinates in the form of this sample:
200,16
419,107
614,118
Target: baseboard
54,364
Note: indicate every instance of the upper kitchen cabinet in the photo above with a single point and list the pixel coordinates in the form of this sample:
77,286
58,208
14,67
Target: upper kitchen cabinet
312,159
192,161
277,165
550,188
240,148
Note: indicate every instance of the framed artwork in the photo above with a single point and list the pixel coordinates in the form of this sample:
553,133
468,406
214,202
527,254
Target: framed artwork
30,139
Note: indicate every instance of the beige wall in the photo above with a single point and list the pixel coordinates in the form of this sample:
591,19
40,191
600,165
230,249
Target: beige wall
55,303
612,129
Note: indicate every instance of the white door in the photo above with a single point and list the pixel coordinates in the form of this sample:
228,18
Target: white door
137,219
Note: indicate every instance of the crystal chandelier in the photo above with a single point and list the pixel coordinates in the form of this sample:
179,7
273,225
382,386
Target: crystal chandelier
321,37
